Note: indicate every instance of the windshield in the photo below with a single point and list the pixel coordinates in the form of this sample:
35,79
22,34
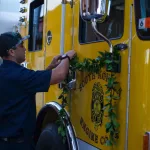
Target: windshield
142,13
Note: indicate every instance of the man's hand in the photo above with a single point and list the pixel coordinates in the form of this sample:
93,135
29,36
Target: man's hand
61,71
55,62
71,53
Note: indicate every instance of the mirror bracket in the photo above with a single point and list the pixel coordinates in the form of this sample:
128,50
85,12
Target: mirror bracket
101,35
68,2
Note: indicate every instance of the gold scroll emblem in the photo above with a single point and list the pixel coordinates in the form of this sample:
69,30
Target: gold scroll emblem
97,105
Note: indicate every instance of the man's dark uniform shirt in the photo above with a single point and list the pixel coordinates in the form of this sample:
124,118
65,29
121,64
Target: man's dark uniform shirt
18,87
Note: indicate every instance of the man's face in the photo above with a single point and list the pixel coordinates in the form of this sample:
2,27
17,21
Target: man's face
19,53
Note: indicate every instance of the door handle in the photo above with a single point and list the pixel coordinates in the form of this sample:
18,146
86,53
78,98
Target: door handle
121,46
72,84
49,37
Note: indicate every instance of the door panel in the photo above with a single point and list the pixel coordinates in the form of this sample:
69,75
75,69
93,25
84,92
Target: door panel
53,26
89,126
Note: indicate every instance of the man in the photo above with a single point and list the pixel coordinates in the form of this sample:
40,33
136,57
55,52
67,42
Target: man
18,86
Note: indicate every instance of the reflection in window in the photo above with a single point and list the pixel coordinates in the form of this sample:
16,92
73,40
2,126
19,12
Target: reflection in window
112,28
38,28
142,10
36,25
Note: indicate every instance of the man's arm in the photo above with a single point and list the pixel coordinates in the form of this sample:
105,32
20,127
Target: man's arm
55,62
61,71
39,81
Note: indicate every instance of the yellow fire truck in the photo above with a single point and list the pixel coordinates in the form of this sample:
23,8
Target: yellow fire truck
90,26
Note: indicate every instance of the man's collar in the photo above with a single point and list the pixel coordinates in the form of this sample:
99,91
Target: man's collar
1,61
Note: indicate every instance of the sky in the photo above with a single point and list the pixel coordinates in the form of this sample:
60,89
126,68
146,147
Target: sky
9,14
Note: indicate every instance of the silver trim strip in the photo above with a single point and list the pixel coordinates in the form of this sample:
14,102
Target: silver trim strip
62,39
129,76
85,146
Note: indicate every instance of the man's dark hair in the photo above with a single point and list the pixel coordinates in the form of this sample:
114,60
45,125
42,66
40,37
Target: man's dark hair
10,40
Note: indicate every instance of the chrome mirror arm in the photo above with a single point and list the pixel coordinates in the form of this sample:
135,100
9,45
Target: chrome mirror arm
93,21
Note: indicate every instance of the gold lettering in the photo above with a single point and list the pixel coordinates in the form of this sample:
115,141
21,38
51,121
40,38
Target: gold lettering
104,76
84,126
83,84
99,76
89,77
86,80
93,76
81,121
92,136
107,75
96,138
80,87
89,135
88,132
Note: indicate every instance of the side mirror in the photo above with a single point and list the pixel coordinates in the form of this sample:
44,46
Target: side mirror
94,9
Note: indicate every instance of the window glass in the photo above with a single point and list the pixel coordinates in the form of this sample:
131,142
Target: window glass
112,28
142,10
36,25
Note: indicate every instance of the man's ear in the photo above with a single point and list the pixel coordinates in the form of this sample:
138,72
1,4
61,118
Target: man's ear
11,52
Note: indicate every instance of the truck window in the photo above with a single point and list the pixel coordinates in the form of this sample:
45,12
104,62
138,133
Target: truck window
142,13
112,28
36,25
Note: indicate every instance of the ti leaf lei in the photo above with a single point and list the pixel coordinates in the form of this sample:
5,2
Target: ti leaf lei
104,60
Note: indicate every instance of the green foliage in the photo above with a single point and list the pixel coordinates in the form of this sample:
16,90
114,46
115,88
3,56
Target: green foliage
61,127
94,66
